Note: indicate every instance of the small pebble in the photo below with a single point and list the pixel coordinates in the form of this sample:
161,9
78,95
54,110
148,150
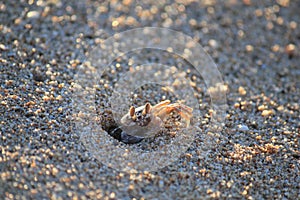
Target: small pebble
213,43
33,14
261,107
293,25
2,47
290,49
237,105
266,113
242,91
54,171
280,108
243,127
249,48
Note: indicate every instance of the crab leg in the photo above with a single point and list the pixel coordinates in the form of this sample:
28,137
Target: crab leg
183,110
180,107
160,105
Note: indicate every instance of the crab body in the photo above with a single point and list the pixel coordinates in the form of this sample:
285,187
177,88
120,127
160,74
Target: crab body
146,121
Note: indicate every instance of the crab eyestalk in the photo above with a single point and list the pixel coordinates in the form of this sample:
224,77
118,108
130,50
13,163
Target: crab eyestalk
147,109
132,113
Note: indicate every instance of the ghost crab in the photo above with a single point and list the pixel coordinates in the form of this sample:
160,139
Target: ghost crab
146,120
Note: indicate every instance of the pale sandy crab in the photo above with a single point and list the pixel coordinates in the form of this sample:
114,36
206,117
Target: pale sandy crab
147,120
